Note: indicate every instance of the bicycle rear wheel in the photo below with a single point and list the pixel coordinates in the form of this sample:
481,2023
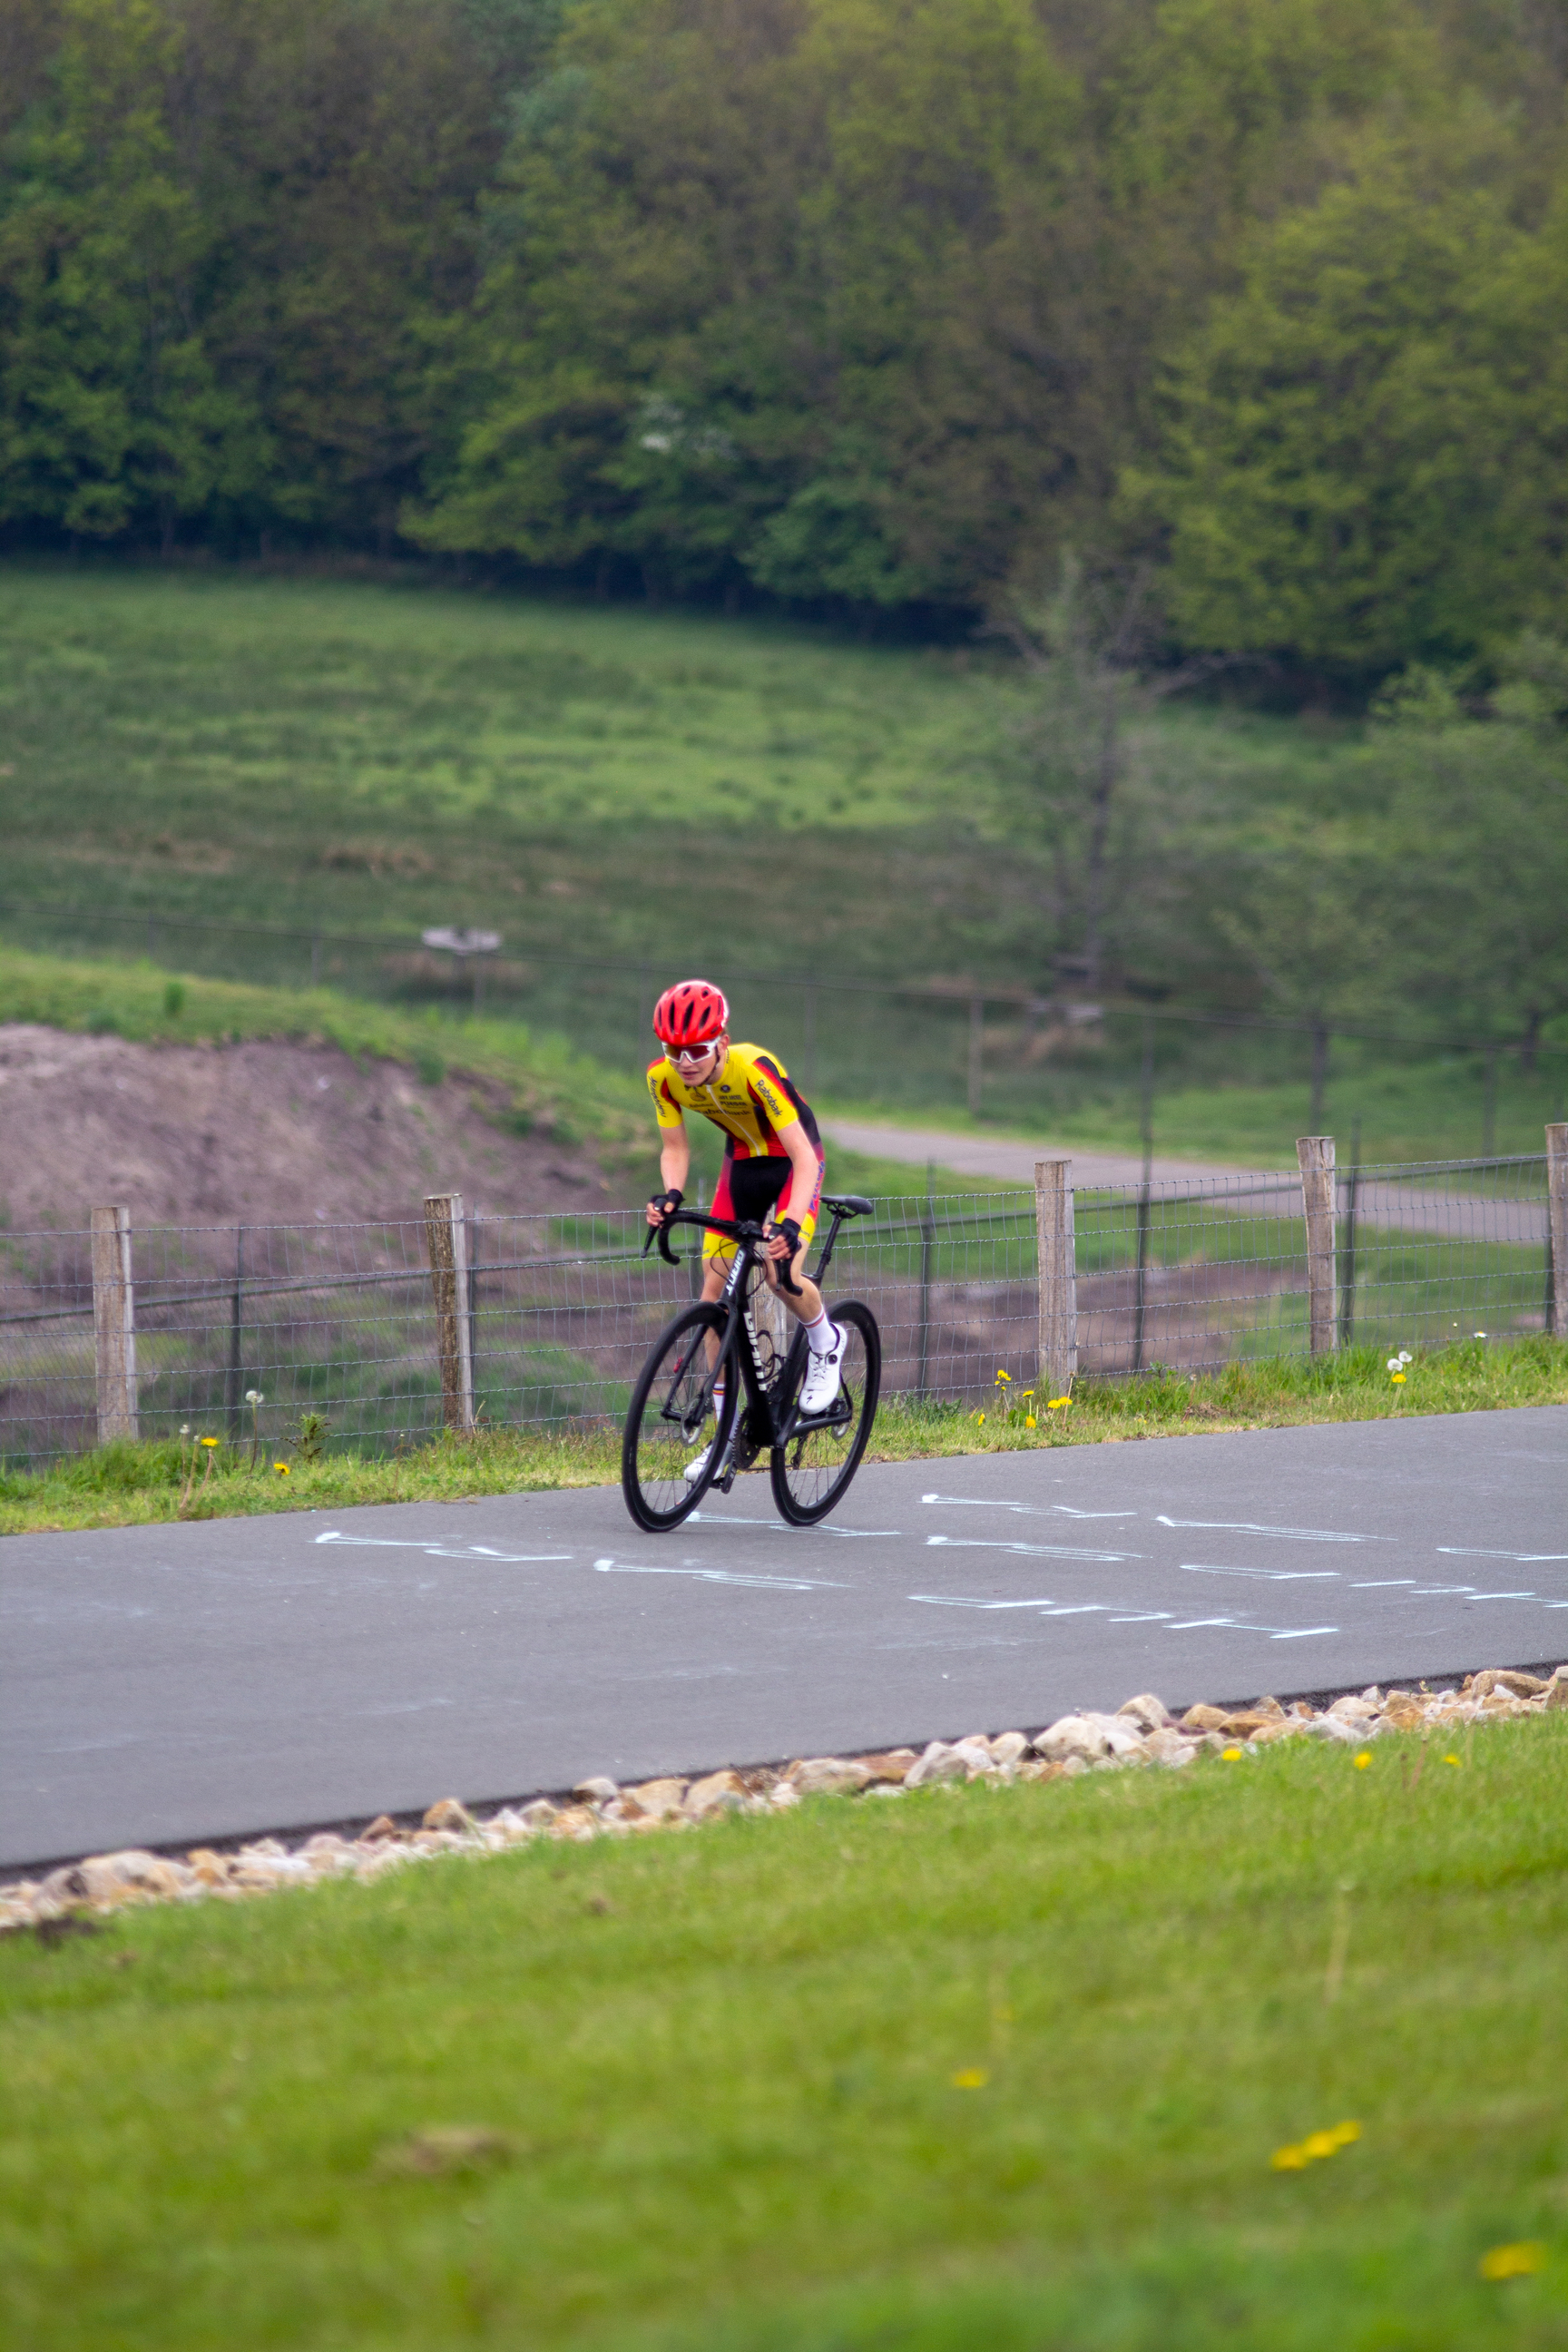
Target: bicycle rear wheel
814,1470
670,1420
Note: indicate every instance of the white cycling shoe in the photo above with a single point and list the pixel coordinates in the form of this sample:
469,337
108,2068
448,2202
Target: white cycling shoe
820,1385
698,1465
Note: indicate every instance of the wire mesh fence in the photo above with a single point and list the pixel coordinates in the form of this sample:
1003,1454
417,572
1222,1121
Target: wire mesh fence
1015,1050
1194,1275
242,1331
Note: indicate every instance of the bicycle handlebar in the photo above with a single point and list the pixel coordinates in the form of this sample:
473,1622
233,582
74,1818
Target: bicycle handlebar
842,1205
738,1230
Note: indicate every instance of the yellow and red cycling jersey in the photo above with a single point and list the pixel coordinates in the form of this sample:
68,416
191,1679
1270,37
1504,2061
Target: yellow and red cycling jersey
752,1098
751,1095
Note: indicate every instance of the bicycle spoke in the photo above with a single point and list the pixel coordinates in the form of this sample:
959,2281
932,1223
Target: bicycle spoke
813,1469
671,1428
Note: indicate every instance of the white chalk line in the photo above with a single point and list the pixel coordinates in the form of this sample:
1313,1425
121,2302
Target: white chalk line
1043,1607
441,1550
1034,1551
1525,1558
1266,1575
1025,1510
701,1575
1251,1528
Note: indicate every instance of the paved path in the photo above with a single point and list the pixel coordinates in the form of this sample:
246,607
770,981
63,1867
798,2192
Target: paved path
170,1684
1444,1209
1014,1161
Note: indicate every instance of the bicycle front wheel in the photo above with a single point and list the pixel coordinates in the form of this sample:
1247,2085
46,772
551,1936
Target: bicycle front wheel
812,1471
674,1442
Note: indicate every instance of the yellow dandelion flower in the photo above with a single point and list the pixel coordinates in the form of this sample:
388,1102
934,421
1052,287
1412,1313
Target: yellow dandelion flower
1450,1760
1004,1376
970,2078
210,1441
1229,1755
1315,2148
281,1468
980,1416
1396,1380
1513,2262
1028,1421
1363,1760
1055,1404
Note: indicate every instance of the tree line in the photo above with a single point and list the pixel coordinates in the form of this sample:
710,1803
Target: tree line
1415,885
859,304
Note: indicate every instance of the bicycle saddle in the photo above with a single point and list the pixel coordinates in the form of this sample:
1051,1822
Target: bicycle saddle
847,1204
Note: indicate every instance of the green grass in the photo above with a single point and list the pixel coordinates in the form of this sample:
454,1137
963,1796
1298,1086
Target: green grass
125,1484
652,790
1427,1110
1409,1110
725,2065
553,1085
137,1001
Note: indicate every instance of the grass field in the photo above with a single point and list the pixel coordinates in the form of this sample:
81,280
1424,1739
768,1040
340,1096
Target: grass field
550,1082
125,1484
1002,2068
646,790
140,1002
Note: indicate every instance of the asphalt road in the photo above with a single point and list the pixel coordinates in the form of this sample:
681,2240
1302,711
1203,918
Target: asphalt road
1444,1208
171,1683
1013,1159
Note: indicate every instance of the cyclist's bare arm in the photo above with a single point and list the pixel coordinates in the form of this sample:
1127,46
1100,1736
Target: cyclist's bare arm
804,1171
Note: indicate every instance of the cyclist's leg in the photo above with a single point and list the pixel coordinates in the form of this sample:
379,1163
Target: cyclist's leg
718,1256
804,1302
718,1250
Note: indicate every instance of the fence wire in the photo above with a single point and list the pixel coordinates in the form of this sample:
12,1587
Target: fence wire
1194,1275
242,1331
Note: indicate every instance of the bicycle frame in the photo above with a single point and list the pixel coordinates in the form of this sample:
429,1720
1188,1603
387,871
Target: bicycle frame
758,1427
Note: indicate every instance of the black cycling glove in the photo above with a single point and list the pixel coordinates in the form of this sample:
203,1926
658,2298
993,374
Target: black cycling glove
667,1203
791,1232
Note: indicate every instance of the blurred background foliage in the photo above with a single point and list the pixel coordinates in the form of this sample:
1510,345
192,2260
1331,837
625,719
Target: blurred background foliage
1188,378
863,304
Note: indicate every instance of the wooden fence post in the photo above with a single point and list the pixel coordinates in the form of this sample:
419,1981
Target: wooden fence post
928,1246
447,1239
1557,1231
1316,1155
114,1324
1059,1277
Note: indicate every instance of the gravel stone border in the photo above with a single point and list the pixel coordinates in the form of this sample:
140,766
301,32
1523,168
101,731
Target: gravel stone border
1142,1732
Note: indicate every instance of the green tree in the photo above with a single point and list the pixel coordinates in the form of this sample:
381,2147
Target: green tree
1304,907
340,151
736,318
1359,470
1121,821
111,410
1476,830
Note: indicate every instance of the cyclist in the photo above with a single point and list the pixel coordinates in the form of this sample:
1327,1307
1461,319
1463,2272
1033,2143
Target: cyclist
773,1157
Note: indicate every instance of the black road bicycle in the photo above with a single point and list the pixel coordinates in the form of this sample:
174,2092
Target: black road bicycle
748,1337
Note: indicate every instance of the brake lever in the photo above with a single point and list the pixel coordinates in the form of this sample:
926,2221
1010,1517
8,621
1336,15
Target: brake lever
661,1235
781,1275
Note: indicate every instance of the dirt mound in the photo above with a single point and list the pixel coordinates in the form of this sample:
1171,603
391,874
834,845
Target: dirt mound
260,1133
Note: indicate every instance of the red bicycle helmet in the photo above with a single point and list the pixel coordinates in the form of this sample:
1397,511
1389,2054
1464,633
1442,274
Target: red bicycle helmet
692,1013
